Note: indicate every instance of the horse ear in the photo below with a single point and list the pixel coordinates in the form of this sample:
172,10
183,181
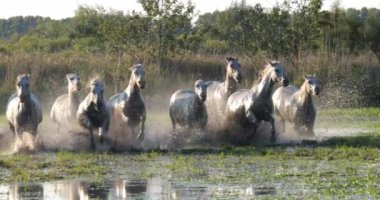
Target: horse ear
68,76
27,76
228,59
272,63
314,76
304,77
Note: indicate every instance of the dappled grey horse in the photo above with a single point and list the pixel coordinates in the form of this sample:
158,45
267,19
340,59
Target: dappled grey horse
296,105
247,108
92,112
218,93
65,107
23,110
187,107
128,106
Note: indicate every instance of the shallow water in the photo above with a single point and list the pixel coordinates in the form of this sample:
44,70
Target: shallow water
153,188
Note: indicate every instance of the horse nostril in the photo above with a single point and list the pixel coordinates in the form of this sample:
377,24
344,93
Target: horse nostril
317,91
285,82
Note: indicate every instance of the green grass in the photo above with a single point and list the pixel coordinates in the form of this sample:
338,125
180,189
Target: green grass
364,119
362,112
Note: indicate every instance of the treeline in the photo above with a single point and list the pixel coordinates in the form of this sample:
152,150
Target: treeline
339,45
165,27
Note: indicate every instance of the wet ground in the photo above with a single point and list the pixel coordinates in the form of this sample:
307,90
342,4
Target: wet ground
341,161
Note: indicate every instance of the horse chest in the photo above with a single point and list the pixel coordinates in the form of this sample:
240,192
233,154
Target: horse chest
262,109
134,110
95,117
24,117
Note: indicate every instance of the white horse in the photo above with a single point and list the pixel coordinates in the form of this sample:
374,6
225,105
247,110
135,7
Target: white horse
92,112
247,108
218,93
187,107
128,106
24,112
296,105
65,107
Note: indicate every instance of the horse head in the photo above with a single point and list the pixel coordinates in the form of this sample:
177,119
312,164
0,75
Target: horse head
233,69
312,85
74,83
138,75
278,73
22,87
201,89
97,90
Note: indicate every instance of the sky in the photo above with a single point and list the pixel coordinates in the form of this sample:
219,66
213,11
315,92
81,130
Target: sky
58,9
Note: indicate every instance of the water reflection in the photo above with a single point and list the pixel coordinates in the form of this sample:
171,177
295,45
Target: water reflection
153,188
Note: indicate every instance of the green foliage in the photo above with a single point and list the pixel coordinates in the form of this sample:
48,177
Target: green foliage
334,44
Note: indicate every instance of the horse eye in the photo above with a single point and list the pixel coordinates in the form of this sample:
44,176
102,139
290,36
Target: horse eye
72,78
276,70
19,84
310,82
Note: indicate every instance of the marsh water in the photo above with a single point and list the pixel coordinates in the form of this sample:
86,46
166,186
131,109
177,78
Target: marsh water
280,171
153,188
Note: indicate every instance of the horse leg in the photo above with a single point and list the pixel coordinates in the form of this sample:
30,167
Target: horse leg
92,141
17,132
273,133
173,124
58,127
282,122
253,132
101,135
12,128
141,134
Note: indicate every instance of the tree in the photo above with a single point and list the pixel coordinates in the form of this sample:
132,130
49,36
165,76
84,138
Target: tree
372,31
170,19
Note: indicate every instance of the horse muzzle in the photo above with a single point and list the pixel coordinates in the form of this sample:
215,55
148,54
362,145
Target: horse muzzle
141,84
284,82
203,97
238,79
317,91
79,87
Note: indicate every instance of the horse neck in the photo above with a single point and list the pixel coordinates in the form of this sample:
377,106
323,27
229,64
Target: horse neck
73,98
304,95
27,105
132,89
229,85
264,88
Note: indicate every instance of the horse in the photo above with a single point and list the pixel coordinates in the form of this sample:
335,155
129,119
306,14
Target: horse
187,107
247,108
218,93
296,105
92,112
128,106
24,112
65,107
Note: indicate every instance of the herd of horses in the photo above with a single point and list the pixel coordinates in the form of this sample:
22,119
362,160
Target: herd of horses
221,108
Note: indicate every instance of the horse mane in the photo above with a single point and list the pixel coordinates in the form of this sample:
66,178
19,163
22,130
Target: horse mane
265,71
137,65
94,78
